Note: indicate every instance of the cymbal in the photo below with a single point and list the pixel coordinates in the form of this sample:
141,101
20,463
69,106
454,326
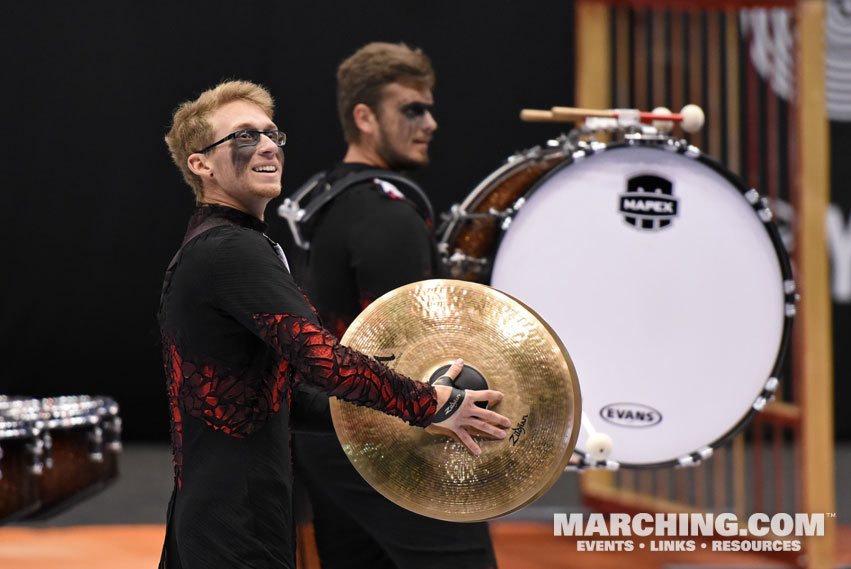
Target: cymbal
418,330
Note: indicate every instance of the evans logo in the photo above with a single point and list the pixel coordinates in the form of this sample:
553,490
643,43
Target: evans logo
649,202
630,415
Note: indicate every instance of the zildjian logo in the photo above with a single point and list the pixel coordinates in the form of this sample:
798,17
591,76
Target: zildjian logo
450,407
518,430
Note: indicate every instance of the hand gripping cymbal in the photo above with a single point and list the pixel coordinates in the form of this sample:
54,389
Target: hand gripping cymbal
418,330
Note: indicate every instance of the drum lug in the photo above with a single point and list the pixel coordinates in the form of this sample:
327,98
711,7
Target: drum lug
96,444
582,464
463,259
789,286
694,459
455,213
113,433
593,146
673,145
47,449
767,394
35,450
565,142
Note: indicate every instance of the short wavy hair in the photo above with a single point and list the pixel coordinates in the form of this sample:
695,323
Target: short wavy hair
191,129
361,77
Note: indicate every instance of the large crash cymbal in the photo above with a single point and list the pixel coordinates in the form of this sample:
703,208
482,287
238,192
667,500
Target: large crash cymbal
420,328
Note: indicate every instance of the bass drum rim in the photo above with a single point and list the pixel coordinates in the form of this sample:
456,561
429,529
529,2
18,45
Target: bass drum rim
555,151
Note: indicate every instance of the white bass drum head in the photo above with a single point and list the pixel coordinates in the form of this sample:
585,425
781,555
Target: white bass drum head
666,287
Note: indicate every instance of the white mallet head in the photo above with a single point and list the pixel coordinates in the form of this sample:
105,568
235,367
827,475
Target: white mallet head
660,125
693,118
598,446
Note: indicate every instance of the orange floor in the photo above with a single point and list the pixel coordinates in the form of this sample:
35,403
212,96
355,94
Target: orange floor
519,545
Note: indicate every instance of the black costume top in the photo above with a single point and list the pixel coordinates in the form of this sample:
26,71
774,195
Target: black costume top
238,335
368,241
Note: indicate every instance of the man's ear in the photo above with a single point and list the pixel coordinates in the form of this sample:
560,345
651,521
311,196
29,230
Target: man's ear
197,162
365,118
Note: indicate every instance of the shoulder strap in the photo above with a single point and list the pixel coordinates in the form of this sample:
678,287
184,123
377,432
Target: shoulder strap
205,225
195,232
298,216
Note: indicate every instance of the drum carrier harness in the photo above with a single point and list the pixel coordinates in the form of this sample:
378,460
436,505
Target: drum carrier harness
302,208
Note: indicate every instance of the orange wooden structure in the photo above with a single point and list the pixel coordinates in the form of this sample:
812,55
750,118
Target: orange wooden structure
770,126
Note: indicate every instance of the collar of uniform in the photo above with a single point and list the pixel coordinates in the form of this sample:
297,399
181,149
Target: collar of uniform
206,211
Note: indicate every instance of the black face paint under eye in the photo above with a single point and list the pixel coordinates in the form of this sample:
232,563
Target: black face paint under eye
416,111
240,156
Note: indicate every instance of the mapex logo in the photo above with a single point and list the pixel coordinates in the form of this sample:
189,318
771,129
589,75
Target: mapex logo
648,202
630,415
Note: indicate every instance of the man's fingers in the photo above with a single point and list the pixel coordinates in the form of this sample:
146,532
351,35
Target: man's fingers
485,395
487,429
485,414
443,431
481,422
468,442
491,417
455,368
477,433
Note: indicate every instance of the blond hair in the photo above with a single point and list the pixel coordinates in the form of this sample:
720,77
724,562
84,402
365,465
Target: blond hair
362,76
191,130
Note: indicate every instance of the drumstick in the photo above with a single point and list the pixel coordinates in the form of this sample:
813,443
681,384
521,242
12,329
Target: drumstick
578,114
691,117
562,114
536,115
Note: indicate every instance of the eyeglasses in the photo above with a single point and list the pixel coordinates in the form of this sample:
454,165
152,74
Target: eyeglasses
250,137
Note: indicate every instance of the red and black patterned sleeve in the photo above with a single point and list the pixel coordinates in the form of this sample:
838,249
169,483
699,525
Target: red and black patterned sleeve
317,358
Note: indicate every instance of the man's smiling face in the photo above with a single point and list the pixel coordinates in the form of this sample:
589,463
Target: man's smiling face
247,173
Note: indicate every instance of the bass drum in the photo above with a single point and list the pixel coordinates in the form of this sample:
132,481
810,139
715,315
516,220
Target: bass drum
661,272
20,457
82,443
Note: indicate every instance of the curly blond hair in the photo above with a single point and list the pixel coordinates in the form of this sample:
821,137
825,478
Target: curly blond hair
191,129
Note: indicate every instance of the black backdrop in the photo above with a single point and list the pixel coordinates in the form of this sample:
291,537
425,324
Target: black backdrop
93,207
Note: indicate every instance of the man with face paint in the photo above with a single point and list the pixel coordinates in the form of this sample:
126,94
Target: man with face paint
374,236
240,341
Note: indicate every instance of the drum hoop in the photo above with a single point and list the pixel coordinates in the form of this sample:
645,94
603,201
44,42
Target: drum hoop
507,168
757,203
